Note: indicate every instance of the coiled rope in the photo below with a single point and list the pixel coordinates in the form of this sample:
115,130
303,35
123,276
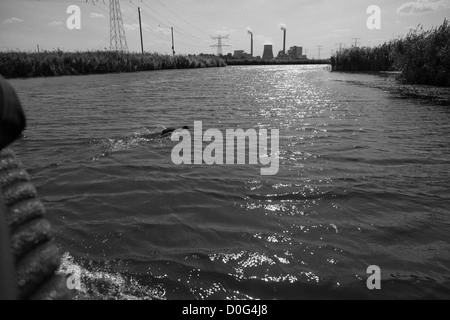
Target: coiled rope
35,257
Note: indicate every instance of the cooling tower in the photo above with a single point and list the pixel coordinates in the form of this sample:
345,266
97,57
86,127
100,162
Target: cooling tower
268,52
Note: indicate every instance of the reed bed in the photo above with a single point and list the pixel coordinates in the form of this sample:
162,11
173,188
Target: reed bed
58,63
422,57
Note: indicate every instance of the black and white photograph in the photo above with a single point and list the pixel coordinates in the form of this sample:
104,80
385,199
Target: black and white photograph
224,155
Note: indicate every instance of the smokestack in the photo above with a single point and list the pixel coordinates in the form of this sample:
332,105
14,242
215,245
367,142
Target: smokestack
268,52
251,43
284,28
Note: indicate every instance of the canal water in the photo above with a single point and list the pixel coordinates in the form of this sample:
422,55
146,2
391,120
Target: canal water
363,180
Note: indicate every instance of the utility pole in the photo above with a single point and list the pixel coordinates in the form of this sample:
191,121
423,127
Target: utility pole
140,28
173,44
251,44
356,41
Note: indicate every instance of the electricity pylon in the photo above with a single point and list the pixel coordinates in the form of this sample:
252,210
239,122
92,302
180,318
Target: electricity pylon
219,44
117,38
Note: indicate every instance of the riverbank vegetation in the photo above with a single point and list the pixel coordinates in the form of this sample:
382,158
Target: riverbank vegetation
422,57
58,63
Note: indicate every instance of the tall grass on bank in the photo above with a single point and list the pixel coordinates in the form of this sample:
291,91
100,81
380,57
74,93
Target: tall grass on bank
59,63
357,59
422,57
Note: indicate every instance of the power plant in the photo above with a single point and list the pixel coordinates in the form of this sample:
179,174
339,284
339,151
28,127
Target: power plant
294,53
268,52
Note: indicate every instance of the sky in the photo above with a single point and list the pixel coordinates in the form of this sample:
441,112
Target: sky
27,24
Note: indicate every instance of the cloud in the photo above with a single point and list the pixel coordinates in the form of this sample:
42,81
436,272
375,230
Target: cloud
12,20
56,23
224,31
97,15
263,39
163,31
423,6
336,33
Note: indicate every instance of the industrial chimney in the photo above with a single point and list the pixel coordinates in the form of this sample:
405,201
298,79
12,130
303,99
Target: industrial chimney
268,52
284,28
250,32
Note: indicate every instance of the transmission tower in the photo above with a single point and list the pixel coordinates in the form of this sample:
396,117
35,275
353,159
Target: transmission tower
341,45
118,40
320,49
357,41
219,44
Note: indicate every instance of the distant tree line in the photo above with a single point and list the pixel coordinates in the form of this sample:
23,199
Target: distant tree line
422,57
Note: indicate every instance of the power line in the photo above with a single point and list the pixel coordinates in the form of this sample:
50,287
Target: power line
130,17
170,24
159,23
180,30
154,17
103,43
187,22
101,8
185,34
185,30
